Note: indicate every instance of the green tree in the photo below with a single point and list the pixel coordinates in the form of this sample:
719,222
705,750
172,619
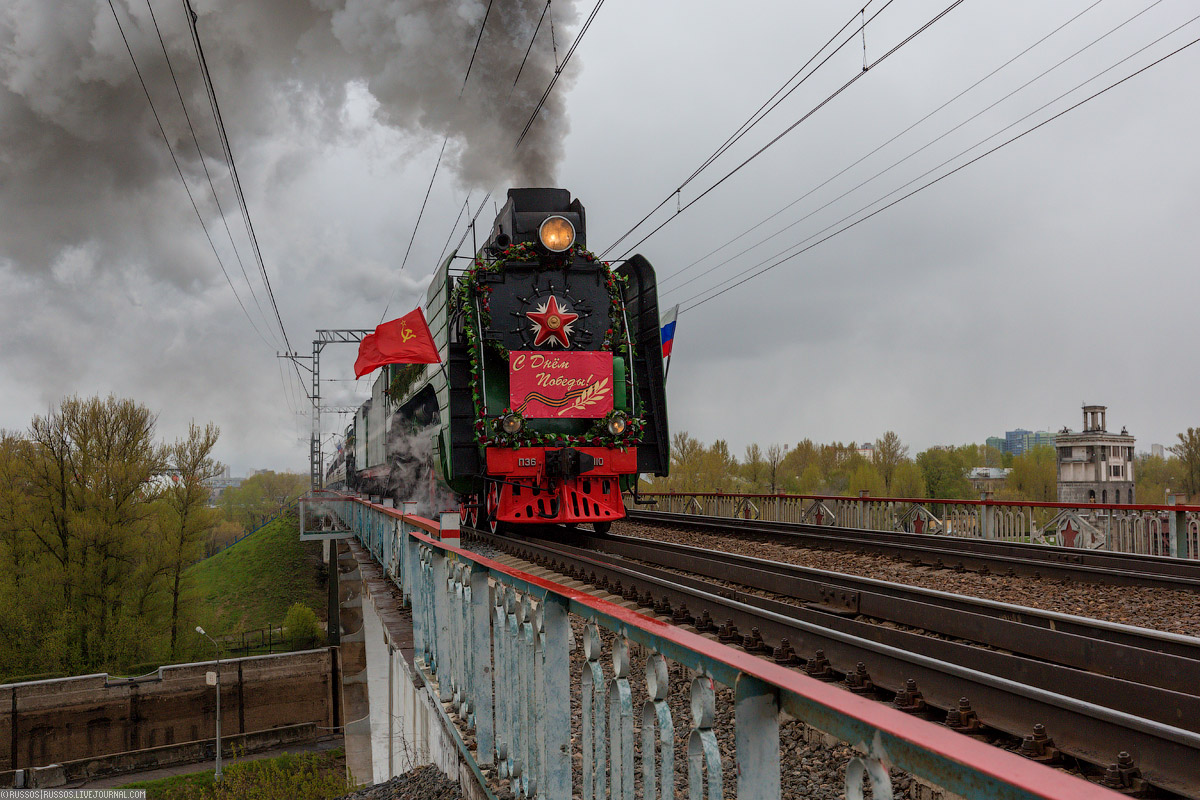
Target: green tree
811,481
53,496
14,506
115,461
718,467
890,452
91,526
1155,477
281,488
991,457
261,496
866,478
90,468
908,481
945,473
687,453
188,519
754,467
1034,476
1188,453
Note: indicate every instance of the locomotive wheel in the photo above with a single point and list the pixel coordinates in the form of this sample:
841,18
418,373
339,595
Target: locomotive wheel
468,511
602,527
493,508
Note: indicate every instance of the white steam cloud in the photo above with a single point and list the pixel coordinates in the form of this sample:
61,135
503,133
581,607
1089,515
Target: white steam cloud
85,177
410,455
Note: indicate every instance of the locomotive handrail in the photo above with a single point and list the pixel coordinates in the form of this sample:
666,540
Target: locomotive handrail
493,642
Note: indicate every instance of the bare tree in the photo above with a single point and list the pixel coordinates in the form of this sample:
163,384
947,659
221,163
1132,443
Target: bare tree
775,455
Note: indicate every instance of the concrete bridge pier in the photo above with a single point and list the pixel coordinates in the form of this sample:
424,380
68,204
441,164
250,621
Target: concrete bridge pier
355,692
396,722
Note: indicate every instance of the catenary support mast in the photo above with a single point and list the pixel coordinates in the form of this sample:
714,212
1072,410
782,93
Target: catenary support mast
324,337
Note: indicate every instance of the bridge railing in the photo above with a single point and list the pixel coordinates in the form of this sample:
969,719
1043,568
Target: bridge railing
497,645
1160,530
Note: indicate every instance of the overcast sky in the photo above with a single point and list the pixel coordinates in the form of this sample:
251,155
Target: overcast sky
1058,270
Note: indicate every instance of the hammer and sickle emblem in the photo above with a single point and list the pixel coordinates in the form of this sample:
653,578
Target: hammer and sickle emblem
406,333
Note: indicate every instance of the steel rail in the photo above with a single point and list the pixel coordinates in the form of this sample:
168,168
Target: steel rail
1000,686
1171,661
1097,566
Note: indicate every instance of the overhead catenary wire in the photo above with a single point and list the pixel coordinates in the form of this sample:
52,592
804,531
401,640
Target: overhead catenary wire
204,162
235,178
846,169
957,155
529,49
912,154
416,225
772,102
287,394
768,105
807,115
478,39
179,169
466,206
231,163
436,166
558,69
957,169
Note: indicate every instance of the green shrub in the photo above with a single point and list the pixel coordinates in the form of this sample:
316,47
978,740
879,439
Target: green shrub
301,623
306,776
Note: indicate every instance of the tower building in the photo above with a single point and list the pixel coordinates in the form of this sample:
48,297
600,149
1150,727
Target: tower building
1095,466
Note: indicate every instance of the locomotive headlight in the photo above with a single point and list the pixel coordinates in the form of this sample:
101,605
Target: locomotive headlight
617,424
556,234
512,423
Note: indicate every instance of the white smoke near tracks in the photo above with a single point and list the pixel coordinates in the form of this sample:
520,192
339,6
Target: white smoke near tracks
82,163
410,454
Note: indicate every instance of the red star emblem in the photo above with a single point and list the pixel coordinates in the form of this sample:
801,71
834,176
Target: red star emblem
551,324
1069,534
919,524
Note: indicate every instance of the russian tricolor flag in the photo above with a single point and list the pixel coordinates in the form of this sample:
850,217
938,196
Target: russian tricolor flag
668,330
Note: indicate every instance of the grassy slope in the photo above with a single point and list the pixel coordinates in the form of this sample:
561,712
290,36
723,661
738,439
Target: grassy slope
252,584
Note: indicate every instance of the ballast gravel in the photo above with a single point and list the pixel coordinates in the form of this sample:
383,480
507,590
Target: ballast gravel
423,783
1174,611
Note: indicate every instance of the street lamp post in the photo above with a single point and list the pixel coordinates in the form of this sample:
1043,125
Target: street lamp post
217,773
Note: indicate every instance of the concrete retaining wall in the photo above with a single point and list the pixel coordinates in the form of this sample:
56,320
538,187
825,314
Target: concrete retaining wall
68,719
155,757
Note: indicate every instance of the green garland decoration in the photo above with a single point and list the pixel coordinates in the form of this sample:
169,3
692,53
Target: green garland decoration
404,377
469,288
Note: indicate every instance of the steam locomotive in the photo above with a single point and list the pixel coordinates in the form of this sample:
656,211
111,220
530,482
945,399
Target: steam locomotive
550,399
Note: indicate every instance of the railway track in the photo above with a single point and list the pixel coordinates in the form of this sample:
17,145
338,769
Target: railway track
978,555
1068,689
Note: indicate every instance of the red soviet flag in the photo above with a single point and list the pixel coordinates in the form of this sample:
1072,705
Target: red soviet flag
369,357
406,340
